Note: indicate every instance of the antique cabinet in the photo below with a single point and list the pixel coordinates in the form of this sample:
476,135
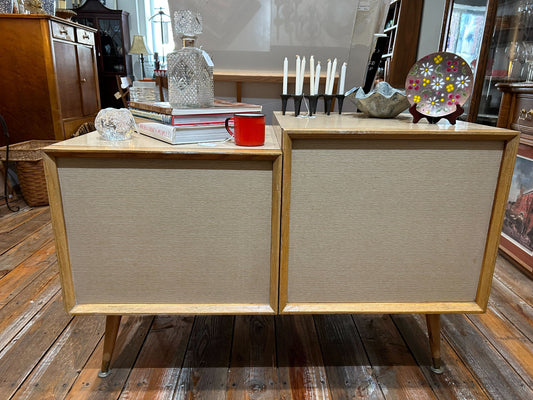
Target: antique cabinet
501,52
112,46
402,26
516,112
49,81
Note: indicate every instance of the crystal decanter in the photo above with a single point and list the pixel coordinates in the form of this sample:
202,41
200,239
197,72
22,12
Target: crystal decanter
190,69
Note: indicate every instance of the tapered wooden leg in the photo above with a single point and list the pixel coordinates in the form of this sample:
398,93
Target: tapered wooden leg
112,324
433,323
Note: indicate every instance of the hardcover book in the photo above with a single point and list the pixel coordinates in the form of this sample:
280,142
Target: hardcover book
184,134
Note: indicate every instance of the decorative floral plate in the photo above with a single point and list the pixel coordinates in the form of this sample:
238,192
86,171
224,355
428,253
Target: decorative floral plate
437,82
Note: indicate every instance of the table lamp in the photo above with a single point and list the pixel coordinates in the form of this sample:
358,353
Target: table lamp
138,47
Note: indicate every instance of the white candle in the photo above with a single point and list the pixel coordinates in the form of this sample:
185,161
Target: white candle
285,74
317,78
302,74
62,4
297,84
328,73
311,75
332,76
342,79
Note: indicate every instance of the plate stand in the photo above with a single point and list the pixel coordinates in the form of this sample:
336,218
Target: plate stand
452,117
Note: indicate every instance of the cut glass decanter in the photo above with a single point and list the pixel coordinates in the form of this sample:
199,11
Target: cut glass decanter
190,69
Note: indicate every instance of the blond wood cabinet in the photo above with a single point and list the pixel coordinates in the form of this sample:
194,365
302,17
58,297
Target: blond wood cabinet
335,214
389,216
166,229
49,79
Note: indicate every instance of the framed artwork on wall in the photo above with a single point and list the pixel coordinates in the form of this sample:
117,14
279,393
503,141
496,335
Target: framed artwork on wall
516,240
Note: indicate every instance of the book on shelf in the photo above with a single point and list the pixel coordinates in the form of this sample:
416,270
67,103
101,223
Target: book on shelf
183,134
163,112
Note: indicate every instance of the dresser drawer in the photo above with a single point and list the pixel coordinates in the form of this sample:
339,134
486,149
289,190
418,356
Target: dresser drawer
62,31
85,37
523,114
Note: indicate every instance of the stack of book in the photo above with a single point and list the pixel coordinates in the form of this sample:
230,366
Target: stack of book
187,125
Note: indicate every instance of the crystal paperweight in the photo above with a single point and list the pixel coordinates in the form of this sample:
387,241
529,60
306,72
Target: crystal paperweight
190,69
115,124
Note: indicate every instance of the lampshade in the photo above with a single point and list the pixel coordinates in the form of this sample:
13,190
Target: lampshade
138,46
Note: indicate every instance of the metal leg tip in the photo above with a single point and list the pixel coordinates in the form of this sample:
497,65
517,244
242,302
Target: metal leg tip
102,374
439,370
436,367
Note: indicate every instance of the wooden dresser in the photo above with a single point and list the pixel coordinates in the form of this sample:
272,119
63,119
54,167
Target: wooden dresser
516,112
49,78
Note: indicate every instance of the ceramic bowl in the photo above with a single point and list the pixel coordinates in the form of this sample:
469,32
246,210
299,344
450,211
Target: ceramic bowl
382,102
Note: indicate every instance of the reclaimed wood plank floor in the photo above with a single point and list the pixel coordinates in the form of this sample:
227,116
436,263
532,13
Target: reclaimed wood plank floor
46,354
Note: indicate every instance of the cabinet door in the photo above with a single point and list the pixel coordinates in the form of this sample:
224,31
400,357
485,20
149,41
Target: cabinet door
67,79
88,80
111,45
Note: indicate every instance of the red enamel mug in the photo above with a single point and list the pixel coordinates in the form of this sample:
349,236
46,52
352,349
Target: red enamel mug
249,129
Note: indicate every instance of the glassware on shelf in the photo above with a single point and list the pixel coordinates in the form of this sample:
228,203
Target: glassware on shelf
528,50
515,52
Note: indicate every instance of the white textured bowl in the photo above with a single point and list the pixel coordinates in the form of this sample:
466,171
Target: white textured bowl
382,102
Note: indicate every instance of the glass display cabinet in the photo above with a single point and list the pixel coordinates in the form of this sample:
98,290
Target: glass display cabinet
112,45
500,52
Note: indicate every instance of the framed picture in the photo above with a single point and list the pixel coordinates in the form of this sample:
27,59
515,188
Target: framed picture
517,233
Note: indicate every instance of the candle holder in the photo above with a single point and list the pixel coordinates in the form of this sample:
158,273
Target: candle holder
284,100
340,101
297,103
313,102
328,98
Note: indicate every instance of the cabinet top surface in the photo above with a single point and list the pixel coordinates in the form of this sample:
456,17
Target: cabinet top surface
92,143
35,17
358,124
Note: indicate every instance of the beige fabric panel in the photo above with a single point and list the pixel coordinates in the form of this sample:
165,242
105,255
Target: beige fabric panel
168,231
389,221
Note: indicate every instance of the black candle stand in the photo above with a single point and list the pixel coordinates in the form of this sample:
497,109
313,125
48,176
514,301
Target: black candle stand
340,102
297,103
313,103
328,98
284,99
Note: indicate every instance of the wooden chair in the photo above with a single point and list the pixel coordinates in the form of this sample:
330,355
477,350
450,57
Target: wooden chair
161,82
123,83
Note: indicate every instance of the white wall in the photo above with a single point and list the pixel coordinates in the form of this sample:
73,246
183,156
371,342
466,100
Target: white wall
233,51
430,28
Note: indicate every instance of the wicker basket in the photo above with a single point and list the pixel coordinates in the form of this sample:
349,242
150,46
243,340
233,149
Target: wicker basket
30,171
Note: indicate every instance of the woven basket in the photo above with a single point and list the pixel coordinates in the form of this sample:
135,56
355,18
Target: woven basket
30,170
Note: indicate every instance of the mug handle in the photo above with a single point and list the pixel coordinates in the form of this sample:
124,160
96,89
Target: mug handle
226,123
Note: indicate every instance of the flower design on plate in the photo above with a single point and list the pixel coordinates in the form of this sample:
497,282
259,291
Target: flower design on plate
443,81
462,81
437,83
427,69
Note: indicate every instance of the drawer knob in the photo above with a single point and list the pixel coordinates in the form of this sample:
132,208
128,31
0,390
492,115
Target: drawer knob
83,80
63,31
85,36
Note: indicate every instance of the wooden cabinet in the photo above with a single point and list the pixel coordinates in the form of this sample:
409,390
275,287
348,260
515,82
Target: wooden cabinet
516,112
495,37
49,82
402,29
378,215
112,46
351,215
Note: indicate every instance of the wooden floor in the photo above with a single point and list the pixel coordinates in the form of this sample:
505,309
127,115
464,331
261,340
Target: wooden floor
46,354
